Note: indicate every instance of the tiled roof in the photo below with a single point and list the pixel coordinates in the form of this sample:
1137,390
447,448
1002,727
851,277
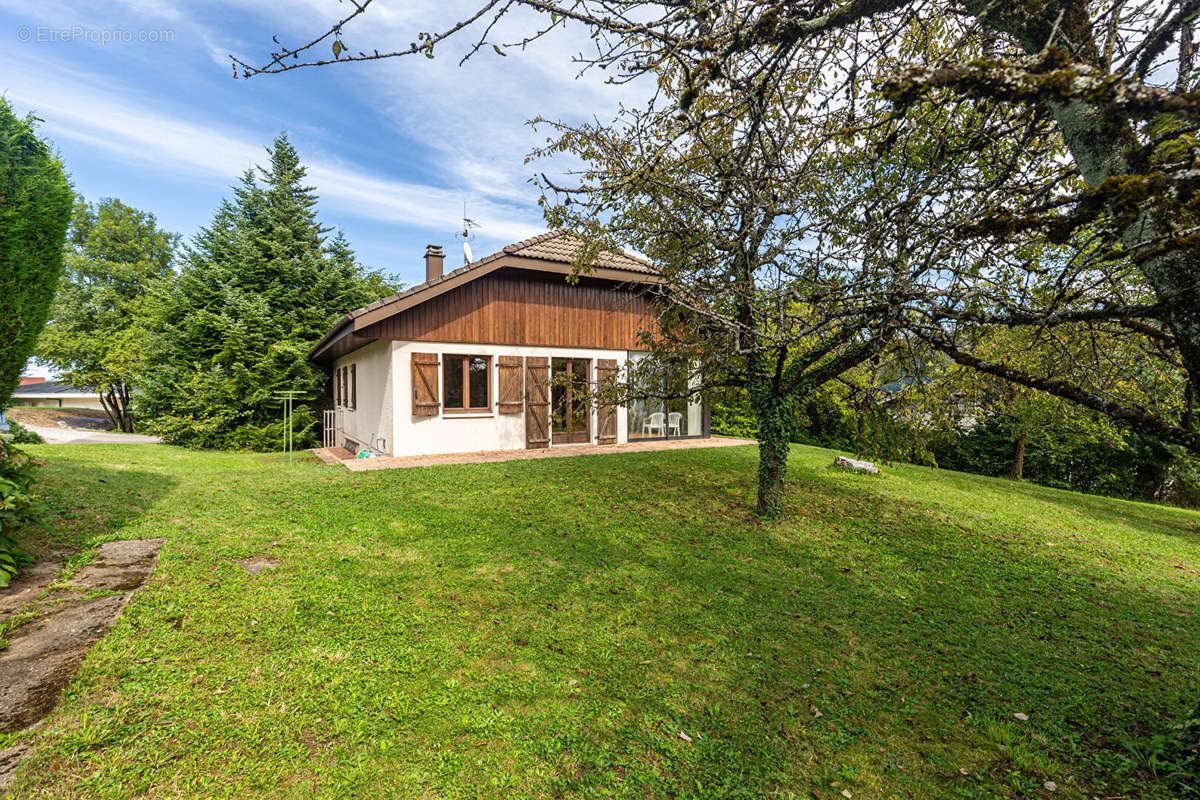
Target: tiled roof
564,246
558,246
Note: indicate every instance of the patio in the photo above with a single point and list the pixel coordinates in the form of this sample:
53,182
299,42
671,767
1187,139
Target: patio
337,455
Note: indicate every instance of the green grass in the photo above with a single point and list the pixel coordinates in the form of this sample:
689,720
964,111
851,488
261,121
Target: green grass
548,628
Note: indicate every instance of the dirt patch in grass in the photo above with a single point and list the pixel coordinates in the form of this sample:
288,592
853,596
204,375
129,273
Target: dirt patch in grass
253,566
55,626
80,418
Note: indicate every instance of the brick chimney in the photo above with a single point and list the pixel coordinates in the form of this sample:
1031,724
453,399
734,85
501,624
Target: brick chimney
434,258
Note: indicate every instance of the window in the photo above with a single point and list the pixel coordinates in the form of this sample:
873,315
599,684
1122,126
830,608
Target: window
467,383
345,388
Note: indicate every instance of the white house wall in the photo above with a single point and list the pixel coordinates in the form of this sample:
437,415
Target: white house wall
370,422
90,401
461,433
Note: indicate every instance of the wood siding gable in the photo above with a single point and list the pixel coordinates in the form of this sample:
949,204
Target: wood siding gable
520,308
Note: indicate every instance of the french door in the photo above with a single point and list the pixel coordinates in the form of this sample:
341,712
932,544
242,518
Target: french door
571,417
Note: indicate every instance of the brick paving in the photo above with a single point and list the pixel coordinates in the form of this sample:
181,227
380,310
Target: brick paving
332,456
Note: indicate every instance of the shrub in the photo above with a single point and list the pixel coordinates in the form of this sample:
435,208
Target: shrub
1064,457
18,506
19,434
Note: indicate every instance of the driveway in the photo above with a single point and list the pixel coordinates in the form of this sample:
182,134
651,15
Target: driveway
57,435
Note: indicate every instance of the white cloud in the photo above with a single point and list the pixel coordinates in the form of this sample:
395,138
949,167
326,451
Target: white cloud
103,117
472,119
474,115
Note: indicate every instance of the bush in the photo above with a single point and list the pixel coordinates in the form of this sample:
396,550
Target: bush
18,506
19,434
1063,457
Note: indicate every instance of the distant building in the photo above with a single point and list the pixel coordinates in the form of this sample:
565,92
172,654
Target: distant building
42,393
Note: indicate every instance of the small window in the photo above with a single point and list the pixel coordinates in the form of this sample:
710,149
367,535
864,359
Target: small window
467,383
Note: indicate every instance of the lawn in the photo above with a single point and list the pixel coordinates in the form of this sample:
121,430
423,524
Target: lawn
617,626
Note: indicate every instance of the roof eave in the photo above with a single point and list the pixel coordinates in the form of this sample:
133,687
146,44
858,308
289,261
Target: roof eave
340,329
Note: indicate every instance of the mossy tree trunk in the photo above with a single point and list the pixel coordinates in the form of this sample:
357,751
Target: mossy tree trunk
772,412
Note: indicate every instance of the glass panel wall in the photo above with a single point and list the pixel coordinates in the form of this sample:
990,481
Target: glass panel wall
658,419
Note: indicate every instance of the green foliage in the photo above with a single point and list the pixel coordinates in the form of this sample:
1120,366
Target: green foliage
35,204
1062,456
259,285
114,254
18,505
1071,450
731,414
19,434
1185,755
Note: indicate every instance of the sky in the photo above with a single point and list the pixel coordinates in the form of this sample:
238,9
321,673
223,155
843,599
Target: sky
138,98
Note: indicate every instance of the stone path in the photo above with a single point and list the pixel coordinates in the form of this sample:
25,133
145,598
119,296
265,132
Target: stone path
45,652
562,451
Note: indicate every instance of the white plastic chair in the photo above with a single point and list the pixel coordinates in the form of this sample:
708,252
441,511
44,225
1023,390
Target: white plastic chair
655,422
674,422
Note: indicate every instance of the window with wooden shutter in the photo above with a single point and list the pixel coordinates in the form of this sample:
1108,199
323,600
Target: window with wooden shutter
606,413
510,370
425,385
353,386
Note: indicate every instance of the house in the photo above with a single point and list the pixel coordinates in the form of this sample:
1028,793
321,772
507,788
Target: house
43,393
498,355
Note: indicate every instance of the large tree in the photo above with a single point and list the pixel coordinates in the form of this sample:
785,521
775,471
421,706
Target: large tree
1108,80
258,286
114,254
35,204
757,293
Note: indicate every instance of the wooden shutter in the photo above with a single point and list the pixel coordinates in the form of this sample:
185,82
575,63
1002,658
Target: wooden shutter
426,401
537,403
606,376
337,388
512,387
354,385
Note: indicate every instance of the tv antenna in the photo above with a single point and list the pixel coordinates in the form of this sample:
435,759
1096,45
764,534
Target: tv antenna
467,235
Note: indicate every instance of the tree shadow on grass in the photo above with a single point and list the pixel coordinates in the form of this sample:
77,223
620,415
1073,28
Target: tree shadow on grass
867,640
1154,518
89,498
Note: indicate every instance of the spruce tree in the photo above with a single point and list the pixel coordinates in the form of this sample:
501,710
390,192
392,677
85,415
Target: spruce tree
259,285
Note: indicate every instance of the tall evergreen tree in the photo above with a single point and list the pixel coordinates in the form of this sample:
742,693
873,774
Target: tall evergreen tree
259,286
35,205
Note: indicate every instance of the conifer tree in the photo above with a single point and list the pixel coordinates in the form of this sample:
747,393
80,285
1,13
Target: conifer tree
35,205
259,285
